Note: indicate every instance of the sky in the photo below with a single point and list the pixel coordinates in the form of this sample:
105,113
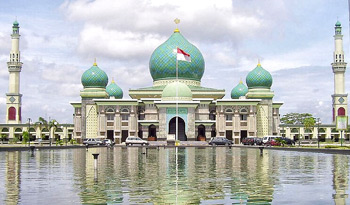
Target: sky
60,39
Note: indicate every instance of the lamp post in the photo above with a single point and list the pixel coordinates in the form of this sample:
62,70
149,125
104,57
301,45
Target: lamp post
29,121
318,132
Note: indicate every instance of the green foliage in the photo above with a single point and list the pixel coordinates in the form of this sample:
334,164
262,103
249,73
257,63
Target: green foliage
25,137
14,140
309,122
59,142
336,147
295,118
3,137
73,141
41,123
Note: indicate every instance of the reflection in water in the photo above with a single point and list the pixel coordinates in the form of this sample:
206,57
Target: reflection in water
173,176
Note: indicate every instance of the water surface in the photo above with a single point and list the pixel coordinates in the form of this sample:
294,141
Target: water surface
173,176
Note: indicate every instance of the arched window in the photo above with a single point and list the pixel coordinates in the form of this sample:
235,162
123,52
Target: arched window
110,110
341,111
125,114
12,113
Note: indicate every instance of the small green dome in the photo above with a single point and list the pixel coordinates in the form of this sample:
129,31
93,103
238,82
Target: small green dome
94,77
259,78
162,64
114,90
239,90
15,23
338,23
183,92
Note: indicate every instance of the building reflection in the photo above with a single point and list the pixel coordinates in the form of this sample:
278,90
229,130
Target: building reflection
340,178
13,177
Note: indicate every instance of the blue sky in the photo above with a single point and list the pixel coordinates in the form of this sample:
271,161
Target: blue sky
60,39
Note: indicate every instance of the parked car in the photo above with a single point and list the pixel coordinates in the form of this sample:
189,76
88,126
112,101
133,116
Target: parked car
135,140
92,141
252,141
273,142
269,138
287,140
220,141
107,142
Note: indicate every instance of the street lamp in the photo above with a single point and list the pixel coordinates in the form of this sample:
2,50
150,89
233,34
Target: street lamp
318,132
29,121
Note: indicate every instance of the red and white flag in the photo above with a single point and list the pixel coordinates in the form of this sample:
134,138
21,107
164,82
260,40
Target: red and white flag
182,55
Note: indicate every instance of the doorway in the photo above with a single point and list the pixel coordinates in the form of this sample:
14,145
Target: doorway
181,128
110,134
243,134
125,134
201,133
229,134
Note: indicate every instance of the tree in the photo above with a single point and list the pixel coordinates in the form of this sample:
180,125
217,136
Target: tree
309,122
41,123
25,137
52,125
295,118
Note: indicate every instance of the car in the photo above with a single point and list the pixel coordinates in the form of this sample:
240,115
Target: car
269,138
273,142
107,142
252,141
220,141
287,140
92,141
135,140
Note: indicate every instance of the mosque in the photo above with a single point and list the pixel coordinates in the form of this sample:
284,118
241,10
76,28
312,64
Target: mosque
151,112
175,102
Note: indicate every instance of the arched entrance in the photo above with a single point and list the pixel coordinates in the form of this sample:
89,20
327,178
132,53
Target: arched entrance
181,128
201,133
152,133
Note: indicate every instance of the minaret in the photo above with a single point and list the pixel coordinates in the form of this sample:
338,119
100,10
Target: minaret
340,98
13,97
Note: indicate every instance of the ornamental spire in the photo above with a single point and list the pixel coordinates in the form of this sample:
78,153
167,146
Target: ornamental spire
177,21
95,64
259,62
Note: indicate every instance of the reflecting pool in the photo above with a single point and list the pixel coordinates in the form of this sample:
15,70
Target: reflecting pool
218,175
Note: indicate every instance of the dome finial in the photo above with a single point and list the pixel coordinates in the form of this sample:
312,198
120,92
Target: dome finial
112,80
240,81
259,62
177,21
95,64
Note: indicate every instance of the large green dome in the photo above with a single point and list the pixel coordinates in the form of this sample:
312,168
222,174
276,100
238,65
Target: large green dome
114,90
239,90
177,91
94,77
259,78
162,64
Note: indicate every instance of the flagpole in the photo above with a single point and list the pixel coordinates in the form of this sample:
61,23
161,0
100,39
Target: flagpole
177,94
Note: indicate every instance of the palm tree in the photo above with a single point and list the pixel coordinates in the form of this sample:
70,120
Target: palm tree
41,123
309,122
53,126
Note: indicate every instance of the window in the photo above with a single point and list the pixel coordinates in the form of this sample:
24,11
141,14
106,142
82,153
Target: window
125,110
110,117
125,117
228,117
12,113
212,115
243,117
